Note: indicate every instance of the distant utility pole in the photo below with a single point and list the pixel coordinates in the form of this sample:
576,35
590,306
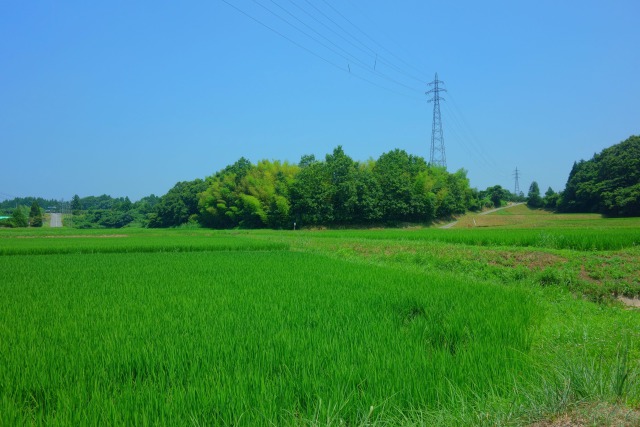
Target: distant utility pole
437,140
516,189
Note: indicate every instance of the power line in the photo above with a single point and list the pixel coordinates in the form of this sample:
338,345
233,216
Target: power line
384,48
351,57
289,39
473,139
361,46
475,149
283,36
400,70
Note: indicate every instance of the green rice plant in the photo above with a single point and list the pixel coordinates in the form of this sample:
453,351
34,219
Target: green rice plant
165,241
214,328
570,238
246,337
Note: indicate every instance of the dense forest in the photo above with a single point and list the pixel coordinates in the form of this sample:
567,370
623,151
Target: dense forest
609,183
337,191
398,187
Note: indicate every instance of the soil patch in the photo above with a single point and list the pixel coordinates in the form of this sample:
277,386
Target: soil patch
630,302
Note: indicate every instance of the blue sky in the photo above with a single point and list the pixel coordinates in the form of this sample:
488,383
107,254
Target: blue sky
128,98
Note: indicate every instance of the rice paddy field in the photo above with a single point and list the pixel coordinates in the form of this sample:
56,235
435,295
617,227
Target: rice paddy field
513,324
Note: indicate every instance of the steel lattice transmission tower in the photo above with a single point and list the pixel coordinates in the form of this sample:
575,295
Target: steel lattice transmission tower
516,190
438,156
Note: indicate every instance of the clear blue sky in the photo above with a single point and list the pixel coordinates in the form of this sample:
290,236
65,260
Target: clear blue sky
128,98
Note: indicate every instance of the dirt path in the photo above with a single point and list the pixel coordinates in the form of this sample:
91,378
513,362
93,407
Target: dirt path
499,209
56,220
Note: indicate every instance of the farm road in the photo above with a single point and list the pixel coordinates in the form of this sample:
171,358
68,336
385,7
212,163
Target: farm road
451,224
56,220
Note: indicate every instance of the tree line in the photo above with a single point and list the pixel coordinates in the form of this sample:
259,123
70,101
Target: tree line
334,191
338,191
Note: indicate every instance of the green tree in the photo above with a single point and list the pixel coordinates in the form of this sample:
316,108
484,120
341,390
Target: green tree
534,200
609,183
494,196
404,186
35,215
368,193
550,200
125,205
178,206
342,172
307,160
76,206
311,195
249,196
18,218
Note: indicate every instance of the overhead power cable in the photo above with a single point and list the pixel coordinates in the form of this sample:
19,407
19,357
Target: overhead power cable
346,69
474,139
366,67
283,36
355,42
399,69
350,58
413,67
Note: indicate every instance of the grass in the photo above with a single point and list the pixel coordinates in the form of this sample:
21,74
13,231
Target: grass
366,327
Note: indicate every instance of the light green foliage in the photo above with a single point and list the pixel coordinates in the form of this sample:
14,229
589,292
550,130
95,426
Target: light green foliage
249,196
